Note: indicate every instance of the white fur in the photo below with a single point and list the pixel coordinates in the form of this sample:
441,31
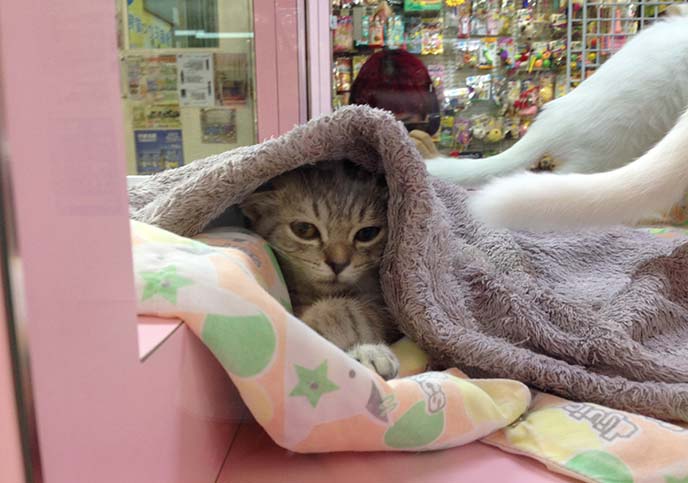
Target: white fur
612,118
646,187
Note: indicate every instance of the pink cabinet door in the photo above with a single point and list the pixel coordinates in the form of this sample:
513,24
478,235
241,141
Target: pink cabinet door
102,414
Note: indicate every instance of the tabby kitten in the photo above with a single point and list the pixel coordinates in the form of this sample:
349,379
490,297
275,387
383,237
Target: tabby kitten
327,223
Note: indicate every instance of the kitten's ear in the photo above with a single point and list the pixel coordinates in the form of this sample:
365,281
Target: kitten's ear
257,204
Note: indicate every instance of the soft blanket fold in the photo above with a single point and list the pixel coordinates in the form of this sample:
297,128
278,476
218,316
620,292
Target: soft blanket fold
600,316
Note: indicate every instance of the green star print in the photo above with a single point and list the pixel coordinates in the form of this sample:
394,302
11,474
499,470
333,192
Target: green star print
676,479
165,283
313,383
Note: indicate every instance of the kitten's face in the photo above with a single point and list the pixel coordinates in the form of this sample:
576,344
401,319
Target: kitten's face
328,225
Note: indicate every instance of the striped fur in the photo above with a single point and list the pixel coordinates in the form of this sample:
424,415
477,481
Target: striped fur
339,199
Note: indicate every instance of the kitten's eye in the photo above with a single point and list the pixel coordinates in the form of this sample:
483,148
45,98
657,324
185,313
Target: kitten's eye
304,230
367,234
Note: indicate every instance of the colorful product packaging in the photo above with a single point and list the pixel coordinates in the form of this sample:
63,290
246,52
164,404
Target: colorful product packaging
432,37
357,63
487,56
395,32
344,35
422,5
343,71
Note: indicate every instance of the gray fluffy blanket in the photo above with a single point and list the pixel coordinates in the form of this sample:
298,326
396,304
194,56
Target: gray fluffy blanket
594,316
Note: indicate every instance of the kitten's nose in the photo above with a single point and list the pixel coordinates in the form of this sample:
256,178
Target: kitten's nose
338,257
336,267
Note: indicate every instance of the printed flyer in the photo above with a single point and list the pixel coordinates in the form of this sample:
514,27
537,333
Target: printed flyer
195,79
231,78
157,150
218,125
152,78
146,116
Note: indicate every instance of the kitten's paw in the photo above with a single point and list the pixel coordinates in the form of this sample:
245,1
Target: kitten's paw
377,357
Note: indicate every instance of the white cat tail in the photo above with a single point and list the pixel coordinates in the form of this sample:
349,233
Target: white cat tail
647,187
474,172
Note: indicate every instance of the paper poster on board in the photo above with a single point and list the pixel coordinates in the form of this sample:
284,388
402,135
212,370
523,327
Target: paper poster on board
195,79
231,78
152,78
164,116
157,150
218,125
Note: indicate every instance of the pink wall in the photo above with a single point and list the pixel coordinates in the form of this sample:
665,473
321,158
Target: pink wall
320,58
280,82
102,415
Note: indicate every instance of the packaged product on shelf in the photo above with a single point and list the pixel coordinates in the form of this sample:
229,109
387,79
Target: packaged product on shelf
437,74
342,67
451,17
479,11
344,35
546,90
558,52
495,130
458,98
461,51
479,8
361,16
492,22
376,37
506,17
488,54
478,25
357,63
479,126
539,56
560,86
414,36
464,28
447,130
513,93
395,32
365,31
432,37
462,132
507,51
467,52
422,5
499,91
527,103
480,86
511,127
524,23
558,24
